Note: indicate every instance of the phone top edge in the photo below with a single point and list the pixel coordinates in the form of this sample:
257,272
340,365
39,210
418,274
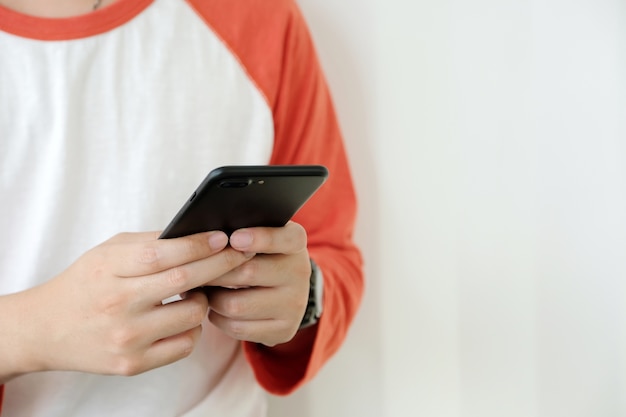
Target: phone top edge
270,170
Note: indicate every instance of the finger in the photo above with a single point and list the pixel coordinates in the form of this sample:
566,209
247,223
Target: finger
257,303
151,256
288,239
242,303
179,279
266,271
171,349
167,320
268,332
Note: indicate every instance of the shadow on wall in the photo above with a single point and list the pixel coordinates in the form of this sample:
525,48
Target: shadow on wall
350,384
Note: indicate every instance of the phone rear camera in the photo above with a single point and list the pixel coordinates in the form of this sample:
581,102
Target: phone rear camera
234,183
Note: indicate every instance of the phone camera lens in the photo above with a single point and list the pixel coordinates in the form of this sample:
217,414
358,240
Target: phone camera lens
234,183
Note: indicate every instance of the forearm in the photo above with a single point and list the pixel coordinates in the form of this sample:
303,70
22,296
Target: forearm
15,326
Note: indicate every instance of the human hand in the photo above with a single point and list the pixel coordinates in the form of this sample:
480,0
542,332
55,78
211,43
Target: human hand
104,313
264,299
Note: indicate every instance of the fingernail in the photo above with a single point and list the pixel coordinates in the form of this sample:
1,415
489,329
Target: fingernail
218,240
241,239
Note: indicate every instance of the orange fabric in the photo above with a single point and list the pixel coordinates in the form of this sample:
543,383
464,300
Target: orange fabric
272,42
75,27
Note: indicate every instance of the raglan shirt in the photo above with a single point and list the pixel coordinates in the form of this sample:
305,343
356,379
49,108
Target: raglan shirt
109,120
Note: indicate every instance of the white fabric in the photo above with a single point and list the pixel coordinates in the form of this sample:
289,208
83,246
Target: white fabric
133,120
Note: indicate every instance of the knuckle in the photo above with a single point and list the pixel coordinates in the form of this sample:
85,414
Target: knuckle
300,302
123,338
303,271
233,307
232,258
113,304
177,277
298,238
189,246
127,366
238,330
97,256
285,333
295,303
279,336
301,234
187,344
194,314
248,272
148,254
288,334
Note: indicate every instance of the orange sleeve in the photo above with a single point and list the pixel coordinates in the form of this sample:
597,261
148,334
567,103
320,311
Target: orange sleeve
271,40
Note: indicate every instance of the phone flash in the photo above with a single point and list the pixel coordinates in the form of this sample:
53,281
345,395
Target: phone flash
261,182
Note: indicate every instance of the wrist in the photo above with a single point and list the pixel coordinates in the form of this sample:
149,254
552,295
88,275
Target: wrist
16,329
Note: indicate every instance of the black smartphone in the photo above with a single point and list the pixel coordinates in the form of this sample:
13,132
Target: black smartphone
238,196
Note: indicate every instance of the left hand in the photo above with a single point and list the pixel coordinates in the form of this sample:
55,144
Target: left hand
263,300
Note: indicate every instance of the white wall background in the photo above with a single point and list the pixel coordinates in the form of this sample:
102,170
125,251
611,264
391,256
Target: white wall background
488,143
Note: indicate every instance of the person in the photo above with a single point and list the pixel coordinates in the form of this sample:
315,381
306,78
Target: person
111,113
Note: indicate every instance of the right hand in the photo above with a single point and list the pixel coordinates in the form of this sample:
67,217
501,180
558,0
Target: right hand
104,313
